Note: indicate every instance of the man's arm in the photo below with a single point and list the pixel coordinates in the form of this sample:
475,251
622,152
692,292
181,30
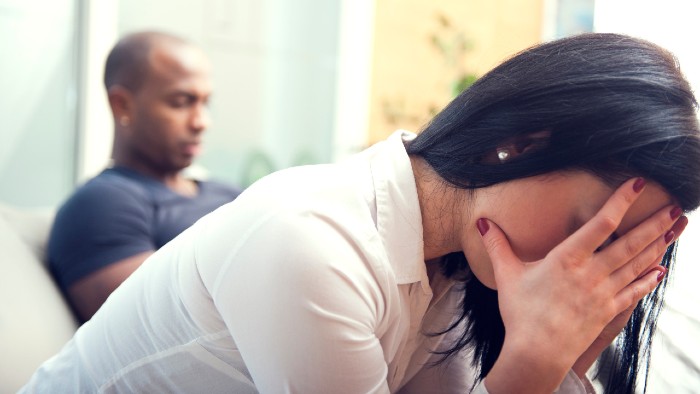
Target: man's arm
89,293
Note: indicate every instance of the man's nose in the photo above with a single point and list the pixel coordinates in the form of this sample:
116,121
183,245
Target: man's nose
200,118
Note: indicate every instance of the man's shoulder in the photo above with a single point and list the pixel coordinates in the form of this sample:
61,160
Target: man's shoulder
105,191
107,219
111,184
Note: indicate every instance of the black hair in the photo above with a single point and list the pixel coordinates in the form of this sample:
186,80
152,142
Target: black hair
611,105
128,63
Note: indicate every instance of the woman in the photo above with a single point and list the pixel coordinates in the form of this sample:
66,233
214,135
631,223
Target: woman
559,179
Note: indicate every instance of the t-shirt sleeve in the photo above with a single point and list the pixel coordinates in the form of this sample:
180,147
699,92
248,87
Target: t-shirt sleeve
100,224
301,304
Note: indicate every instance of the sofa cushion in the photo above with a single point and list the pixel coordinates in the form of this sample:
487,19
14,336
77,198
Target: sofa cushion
32,225
35,321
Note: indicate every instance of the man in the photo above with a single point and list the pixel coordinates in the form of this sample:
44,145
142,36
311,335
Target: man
158,88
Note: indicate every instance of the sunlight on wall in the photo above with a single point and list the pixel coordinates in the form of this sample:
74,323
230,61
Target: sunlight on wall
422,47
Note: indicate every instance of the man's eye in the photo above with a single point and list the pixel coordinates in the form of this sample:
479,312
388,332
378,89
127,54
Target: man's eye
181,101
612,238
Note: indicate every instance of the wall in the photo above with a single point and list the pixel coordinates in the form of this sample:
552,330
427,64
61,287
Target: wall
410,76
57,130
38,74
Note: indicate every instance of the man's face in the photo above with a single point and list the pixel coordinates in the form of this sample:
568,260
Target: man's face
170,108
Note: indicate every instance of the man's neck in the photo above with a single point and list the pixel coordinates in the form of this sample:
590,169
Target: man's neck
174,181
181,185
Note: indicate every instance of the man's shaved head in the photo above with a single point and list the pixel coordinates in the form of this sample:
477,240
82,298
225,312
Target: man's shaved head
158,88
128,62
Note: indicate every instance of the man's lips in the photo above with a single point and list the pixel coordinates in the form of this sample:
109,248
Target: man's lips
192,149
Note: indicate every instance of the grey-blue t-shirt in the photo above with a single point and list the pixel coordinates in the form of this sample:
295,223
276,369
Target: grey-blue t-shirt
121,213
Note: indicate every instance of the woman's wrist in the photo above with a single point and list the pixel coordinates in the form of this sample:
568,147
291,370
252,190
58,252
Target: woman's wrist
522,368
584,363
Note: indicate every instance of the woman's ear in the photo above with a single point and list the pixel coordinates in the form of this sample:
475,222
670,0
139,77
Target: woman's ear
516,146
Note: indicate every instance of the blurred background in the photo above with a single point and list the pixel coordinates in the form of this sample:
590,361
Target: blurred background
303,82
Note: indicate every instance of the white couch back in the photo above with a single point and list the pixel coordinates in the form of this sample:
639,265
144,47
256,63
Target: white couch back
35,320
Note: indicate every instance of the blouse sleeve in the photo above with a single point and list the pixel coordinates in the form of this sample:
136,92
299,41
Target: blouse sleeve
303,307
455,376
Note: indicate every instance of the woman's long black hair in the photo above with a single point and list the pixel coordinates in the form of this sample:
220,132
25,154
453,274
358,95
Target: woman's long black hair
612,105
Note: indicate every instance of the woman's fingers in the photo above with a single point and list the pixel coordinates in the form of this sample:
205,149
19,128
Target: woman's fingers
597,230
654,231
646,282
636,290
649,257
503,259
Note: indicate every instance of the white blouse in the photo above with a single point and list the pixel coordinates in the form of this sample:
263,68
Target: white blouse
312,281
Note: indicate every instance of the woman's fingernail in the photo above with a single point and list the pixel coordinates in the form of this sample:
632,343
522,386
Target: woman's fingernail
676,213
482,225
662,273
669,236
639,185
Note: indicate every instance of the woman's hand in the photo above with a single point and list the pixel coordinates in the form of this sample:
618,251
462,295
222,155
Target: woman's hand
613,329
555,309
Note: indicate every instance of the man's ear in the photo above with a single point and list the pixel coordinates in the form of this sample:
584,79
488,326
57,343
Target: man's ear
121,101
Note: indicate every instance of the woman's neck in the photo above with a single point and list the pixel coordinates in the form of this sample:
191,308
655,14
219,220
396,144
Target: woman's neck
442,210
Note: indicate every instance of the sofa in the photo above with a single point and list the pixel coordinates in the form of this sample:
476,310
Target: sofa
35,320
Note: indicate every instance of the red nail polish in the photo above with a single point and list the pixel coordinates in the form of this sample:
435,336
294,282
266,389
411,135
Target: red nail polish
669,236
676,213
662,273
639,185
482,225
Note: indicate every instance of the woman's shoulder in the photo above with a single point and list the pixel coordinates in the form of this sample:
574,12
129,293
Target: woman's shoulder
325,187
